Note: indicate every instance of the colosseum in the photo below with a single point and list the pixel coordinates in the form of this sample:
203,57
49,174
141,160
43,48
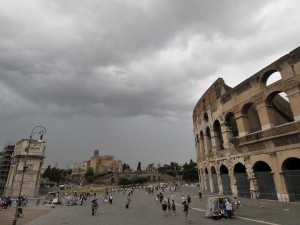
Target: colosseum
247,138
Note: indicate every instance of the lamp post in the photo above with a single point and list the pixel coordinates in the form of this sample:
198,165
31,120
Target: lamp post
36,130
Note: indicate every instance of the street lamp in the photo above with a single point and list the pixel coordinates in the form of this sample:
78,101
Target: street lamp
36,130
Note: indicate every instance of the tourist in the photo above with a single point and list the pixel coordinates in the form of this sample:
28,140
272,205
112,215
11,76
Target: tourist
182,200
94,206
128,201
169,206
186,211
110,198
236,204
188,200
161,197
173,207
164,208
228,207
81,199
200,194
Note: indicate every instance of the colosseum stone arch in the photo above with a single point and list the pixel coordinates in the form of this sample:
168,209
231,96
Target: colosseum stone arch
247,137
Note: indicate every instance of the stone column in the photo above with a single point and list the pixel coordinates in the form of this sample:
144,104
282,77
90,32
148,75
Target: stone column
220,183
242,124
266,116
294,99
226,134
280,186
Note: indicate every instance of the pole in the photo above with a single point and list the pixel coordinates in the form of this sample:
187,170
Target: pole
42,131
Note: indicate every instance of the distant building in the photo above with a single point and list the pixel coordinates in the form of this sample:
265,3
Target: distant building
5,163
100,164
247,138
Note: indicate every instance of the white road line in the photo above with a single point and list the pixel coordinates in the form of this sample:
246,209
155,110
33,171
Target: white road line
258,221
239,217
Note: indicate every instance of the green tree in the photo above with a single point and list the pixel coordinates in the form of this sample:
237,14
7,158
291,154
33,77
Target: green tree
139,168
125,167
47,172
190,172
124,181
89,175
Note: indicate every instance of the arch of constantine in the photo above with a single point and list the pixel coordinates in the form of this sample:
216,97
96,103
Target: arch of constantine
247,138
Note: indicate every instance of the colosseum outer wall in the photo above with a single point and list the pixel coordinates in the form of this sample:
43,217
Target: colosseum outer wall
247,137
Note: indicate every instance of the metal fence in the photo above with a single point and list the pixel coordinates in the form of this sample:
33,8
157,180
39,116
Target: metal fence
292,181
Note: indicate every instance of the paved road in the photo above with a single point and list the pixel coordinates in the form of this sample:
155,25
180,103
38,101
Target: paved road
145,211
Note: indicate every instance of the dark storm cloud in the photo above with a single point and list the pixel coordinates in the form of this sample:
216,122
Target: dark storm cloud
58,47
69,60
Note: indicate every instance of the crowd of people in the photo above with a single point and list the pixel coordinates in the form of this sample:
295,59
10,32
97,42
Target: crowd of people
162,194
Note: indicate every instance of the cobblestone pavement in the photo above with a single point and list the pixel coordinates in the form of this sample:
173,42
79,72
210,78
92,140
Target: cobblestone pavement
145,211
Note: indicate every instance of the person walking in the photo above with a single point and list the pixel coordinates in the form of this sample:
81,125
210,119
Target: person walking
110,198
188,200
228,206
164,208
182,199
94,206
236,204
169,206
173,206
128,201
186,212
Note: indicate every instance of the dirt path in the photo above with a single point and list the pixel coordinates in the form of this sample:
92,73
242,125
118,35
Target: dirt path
30,213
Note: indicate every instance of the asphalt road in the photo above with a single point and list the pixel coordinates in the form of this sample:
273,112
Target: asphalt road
145,211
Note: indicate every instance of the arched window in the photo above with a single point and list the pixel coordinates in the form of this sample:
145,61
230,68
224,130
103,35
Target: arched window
231,123
252,117
270,77
202,145
218,135
281,109
208,140
205,117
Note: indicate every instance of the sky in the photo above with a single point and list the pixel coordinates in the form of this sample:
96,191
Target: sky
123,76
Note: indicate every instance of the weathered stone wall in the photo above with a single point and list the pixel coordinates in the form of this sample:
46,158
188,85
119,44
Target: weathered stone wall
32,174
250,130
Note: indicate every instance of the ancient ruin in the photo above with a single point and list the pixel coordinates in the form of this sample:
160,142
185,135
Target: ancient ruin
32,173
247,138
99,164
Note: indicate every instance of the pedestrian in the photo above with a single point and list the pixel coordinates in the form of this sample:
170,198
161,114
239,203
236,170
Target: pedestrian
94,206
188,200
236,204
186,212
169,207
200,194
228,207
8,201
110,198
38,202
164,208
173,207
81,199
182,199
128,201
161,197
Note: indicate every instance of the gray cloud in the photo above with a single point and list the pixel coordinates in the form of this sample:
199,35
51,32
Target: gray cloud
108,64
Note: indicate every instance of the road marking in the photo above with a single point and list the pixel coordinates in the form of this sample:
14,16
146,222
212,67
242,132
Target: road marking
239,217
258,221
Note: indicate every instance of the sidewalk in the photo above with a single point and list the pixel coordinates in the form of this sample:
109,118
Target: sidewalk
270,211
30,213
145,211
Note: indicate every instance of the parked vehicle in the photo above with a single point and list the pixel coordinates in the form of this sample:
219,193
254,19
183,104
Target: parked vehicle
216,207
